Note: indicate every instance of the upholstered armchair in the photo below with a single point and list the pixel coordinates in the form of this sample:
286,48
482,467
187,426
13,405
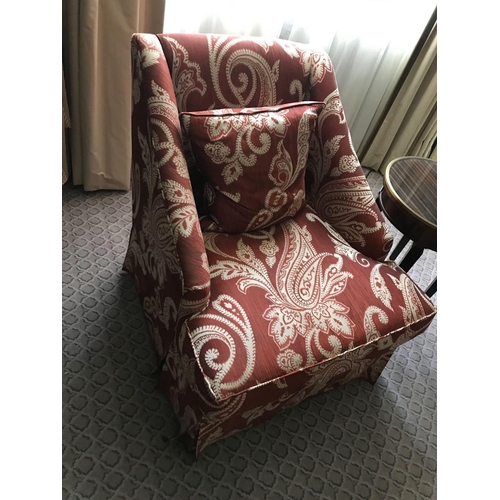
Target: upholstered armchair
256,245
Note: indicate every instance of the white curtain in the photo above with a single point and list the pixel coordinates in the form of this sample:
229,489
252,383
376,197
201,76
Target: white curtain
369,41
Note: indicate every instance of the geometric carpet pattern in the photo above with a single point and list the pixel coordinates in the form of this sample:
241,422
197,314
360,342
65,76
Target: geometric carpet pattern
120,436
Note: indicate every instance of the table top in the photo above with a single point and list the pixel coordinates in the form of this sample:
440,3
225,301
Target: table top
412,181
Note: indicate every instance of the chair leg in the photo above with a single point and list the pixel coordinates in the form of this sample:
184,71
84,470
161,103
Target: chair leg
377,200
399,247
432,289
411,257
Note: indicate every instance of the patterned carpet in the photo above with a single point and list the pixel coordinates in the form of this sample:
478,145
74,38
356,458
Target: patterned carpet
119,434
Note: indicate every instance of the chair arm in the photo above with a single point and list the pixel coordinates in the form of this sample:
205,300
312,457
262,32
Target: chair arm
158,141
337,186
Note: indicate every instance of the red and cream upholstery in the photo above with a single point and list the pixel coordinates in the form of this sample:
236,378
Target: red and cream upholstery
256,247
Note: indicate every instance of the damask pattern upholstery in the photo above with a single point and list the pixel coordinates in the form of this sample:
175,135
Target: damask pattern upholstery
251,324
253,161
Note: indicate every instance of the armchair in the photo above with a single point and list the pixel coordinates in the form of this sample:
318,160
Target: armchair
256,247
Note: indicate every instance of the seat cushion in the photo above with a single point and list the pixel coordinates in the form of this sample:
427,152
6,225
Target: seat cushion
253,160
290,297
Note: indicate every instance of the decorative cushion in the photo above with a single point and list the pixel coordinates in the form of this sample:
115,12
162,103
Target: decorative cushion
253,160
293,296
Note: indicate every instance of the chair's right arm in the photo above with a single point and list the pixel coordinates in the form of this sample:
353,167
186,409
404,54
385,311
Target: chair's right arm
165,218
337,187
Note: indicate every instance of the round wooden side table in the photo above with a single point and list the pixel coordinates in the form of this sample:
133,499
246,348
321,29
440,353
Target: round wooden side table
409,201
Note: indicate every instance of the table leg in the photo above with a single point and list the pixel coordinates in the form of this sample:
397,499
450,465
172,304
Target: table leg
377,199
402,243
411,257
432,289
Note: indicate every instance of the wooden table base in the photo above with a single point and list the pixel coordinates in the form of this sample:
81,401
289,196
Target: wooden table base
411,257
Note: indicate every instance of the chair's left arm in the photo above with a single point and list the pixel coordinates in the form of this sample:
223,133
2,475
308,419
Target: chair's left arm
172,219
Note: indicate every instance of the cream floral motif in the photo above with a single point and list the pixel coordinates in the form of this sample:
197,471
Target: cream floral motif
280,383
143,59
292,49
186,75
185,217
236,197
322,153
161,104
347,164
182,369
379,288
330,149
167,146
268,246
342,201
341,245
155,246
388,238
236,323
176,193
316,64
223,121
296,88
347,201
413,309
371,330
245,124
334,235
306,126
149,57
333,106
283,173
258,73
289,360
303,299
261,219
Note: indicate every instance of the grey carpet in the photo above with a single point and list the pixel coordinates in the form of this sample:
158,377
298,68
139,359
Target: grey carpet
120,435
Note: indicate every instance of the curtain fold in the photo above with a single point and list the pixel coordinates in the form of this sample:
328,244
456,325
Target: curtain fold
66,123
96,57
409,126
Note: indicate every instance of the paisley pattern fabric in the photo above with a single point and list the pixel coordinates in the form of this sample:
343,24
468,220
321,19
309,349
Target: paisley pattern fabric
313,303
254,160
248,324
214,72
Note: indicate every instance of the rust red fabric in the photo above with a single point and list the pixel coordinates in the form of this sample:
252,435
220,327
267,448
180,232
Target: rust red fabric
253,160
251,323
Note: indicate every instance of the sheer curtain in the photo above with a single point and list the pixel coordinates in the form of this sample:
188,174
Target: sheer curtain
369,41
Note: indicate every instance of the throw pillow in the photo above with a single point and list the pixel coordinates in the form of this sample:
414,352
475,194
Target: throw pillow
253,161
